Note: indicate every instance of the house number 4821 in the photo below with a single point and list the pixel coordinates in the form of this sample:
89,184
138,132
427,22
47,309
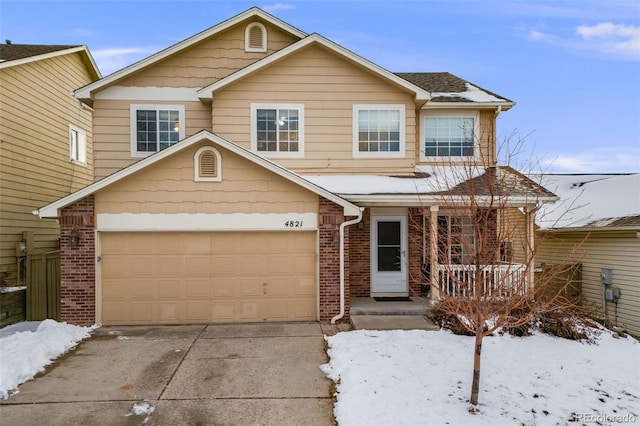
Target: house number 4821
293,224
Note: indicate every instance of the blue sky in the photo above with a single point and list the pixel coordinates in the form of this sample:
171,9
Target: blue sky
573,67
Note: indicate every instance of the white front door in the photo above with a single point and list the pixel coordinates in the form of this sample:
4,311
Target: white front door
389,255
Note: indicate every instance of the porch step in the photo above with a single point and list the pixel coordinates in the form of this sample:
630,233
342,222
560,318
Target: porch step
392,322
369,306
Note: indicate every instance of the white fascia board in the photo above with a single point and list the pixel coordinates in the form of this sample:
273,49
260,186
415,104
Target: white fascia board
206,93
128,93
51,210
86,92
423,200
468,105
153,222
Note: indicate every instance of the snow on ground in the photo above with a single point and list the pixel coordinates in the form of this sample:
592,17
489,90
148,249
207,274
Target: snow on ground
424,378
26,353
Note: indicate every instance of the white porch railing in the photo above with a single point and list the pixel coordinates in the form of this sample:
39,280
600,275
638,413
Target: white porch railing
505,279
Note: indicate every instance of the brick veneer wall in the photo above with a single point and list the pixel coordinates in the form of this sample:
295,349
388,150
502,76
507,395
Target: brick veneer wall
329,219
491,245
360,257
414,243
77,263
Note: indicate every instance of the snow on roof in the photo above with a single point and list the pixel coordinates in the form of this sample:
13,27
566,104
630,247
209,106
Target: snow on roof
590,199
472,93
431,179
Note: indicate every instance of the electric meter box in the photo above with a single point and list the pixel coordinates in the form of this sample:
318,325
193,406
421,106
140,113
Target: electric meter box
612,294
606,275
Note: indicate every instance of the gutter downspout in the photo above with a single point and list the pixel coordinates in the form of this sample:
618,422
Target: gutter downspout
342,226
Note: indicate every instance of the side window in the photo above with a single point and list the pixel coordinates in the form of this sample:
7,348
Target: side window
155,127
456,239
77,145
255,38
378,131
277,130
207,165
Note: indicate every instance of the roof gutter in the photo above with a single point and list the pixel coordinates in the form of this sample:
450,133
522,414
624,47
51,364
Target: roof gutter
343,225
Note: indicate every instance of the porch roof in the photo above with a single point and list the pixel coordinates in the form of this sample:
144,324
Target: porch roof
439,185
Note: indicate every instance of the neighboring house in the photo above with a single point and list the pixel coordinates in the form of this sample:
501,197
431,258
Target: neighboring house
254,172
597,223
45,144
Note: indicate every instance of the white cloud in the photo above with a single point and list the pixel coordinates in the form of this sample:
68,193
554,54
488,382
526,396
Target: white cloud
538,35
608,30
115,58
606,40
276,6
603,160
624,39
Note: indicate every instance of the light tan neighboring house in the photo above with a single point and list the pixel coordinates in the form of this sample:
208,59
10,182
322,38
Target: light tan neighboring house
45,143
597,223
254,172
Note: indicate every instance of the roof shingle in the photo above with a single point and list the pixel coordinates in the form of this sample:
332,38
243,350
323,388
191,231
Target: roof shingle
12,52
443,82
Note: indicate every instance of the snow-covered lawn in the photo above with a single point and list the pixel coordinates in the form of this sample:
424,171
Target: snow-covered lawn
25,354
424,378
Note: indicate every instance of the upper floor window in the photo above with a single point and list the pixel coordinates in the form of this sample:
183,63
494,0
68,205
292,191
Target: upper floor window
77,145
255,38
207,165
378,130
449,136
155,127
277,130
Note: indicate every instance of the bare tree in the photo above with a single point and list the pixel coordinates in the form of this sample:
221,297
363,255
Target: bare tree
486,248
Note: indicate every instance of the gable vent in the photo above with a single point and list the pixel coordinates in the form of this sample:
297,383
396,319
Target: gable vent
208,166
256,38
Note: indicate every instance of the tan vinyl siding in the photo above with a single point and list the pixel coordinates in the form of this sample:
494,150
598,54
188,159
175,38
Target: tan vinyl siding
112,131
512,228
328,86
209,60
602,249
169,187
36,109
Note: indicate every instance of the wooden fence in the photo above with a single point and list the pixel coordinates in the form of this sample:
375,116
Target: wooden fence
43,286
554,279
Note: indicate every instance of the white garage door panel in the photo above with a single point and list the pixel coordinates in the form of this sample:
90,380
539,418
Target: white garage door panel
179,278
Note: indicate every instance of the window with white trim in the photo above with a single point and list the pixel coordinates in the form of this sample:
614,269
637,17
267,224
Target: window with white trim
449,136
255,38
456,239
77,145
277,130
378,130
155,127
207,165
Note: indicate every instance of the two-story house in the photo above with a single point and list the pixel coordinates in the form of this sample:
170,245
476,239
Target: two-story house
254,172
45,144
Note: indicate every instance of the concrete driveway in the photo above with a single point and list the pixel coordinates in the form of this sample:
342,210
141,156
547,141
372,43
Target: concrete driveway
247,374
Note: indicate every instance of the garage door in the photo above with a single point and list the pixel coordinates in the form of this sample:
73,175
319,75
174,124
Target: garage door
187,278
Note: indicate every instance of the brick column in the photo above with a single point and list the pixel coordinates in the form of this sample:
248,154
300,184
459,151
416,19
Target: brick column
77,263
329,219
415,248
360,257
